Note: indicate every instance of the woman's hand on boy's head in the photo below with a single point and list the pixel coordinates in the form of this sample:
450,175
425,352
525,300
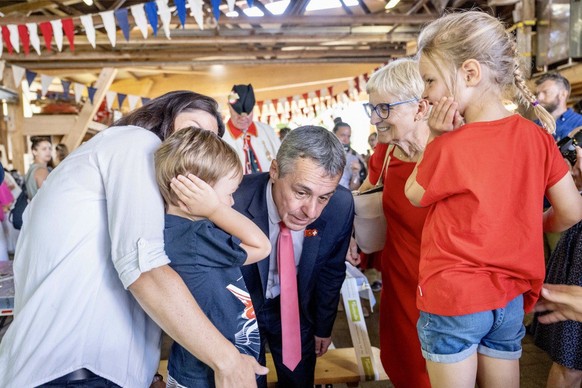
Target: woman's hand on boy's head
444,116
197,197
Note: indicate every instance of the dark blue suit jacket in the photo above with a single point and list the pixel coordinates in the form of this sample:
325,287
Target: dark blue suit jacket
322,268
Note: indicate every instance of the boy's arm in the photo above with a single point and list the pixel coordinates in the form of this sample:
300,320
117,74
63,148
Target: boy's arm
198,198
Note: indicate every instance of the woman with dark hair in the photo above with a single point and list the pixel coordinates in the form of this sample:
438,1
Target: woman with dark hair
38,171
93,232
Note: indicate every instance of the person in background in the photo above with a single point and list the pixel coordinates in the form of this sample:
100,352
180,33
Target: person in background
563,340
255,143
61,152
208,242
481,261
284,132
553,91
308,219
355,170
39,169
93,233
6,200
400,115
372,141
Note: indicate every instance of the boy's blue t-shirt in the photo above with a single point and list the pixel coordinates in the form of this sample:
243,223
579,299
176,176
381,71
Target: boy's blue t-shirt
208,260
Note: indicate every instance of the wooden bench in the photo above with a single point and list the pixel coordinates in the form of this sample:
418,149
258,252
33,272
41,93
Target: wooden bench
337,366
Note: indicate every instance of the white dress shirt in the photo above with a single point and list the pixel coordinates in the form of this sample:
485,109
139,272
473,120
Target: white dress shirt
95,226
273,284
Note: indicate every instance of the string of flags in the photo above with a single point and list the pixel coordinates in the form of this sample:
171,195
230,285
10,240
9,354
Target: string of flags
279,110
150,13
19,73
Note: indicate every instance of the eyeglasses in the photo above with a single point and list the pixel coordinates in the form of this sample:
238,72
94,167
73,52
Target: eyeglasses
383,109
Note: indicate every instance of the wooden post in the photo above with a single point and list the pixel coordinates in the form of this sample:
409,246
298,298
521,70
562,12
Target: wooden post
74,137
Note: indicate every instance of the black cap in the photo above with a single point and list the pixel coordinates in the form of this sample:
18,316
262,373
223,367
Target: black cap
242,98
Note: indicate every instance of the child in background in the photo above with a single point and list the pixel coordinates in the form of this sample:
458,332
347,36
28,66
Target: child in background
484,176
207,241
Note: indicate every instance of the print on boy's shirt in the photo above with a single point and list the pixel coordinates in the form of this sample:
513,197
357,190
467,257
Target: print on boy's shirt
247,339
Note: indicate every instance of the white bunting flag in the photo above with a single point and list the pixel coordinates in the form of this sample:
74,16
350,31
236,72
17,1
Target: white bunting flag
17,73
230,5
58,33
196,12
34,39
109,98
45,81
132,101
140,19
78,88
109,24
14,39
87,22
165,16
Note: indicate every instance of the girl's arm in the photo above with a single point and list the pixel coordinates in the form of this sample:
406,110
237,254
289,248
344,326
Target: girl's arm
566,209
40,175
199,199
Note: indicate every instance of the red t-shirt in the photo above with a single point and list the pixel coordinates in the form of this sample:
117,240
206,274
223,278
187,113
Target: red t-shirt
482,241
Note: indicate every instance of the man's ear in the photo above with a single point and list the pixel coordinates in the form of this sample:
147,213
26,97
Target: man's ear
564,96
472,72
274,170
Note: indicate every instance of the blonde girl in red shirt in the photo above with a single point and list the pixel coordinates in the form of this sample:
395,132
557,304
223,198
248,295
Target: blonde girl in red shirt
483,176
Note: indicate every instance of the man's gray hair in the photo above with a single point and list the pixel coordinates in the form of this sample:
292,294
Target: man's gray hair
315,143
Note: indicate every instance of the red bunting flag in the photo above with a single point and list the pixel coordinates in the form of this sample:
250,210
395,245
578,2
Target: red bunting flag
6,36
24,38
330,91
69,29
318,93
47,33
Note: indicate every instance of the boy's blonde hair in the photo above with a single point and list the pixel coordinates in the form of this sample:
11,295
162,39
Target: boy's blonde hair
458,37
399,78
194,150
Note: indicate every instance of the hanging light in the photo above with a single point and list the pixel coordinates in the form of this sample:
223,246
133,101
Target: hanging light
88,2
391,4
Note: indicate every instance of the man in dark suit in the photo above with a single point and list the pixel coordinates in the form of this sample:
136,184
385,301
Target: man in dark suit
300,193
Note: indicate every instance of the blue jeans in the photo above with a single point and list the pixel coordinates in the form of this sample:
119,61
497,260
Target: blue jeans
494,333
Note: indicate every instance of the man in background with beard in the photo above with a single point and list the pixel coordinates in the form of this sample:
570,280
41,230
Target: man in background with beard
552,91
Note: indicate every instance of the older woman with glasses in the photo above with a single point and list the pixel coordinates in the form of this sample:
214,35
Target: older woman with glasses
400,116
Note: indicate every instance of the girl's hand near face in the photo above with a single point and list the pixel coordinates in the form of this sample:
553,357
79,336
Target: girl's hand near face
444,116
196,197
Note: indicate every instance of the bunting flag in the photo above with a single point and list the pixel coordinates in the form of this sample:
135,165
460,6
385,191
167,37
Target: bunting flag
152,15
120,98
250,3
45,82
181,9
14,41
66,86
30,76
196,12
109,98
87,22
123,22
109,24
6,37
24,38
47,34
91,90
165,16
17,73
230,5
132,100
216,8
57,25
145,100
69,29
78,88
139,17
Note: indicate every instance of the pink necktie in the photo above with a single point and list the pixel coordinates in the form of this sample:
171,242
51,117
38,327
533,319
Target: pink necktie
289,304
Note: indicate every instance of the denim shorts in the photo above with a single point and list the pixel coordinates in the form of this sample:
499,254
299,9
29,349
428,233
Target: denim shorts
495,333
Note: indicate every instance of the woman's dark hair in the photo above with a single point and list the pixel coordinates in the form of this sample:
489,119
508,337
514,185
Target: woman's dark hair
62,151
36,140
339,123
159,114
